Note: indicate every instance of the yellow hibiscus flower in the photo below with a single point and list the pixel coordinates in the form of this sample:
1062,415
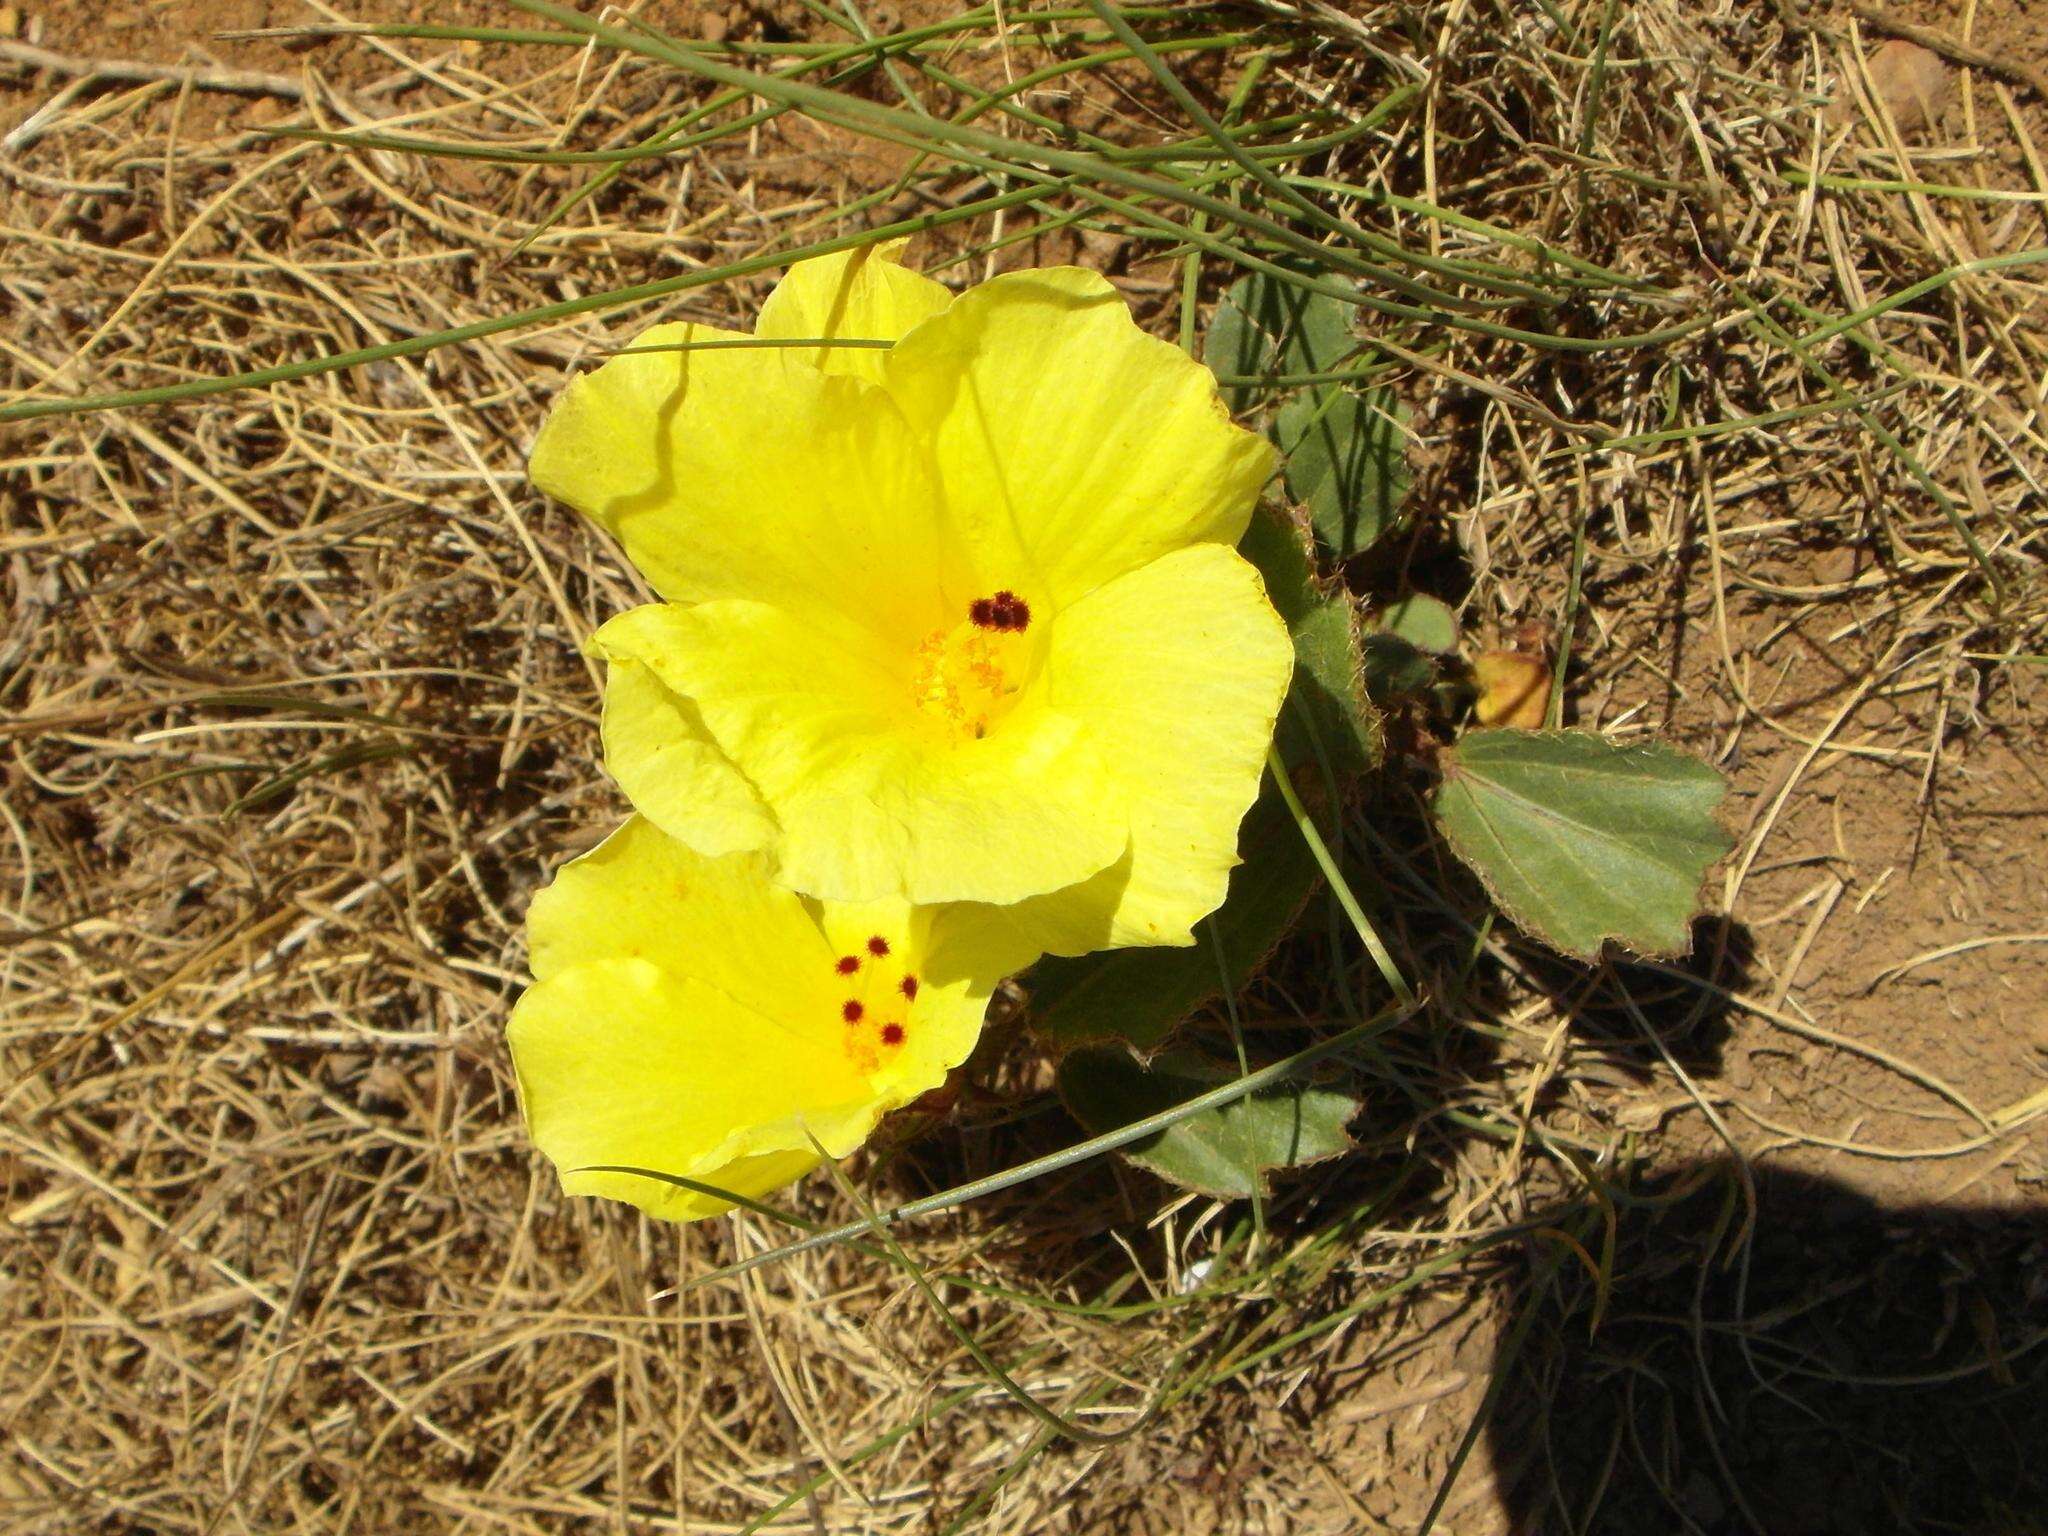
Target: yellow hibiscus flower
957,619
692,1017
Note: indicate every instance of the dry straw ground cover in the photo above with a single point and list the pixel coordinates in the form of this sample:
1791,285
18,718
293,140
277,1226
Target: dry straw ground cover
296,721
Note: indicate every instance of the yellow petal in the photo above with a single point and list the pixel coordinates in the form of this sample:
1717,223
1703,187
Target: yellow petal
641,895
749,473
1177,672
930,985
622,1063
871,803
657,747
751,1177
693,1018
1071,446
862,294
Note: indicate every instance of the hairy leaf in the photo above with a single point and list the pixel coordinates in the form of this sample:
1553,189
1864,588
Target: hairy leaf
1394,669
1326,715
1581,841
1423,621
1227,1151
1270,328
1346,462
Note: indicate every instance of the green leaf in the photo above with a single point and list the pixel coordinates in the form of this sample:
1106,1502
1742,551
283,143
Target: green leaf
1269,327
1580,840
1227,1151
1345,452
1423,622
1401,655
1327,715
1140,995
1346,462
1394,669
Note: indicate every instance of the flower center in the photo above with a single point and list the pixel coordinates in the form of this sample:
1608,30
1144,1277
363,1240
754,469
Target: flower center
875,1016
967,677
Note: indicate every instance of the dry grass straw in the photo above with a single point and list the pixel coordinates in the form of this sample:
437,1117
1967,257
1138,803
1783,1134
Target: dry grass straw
296,722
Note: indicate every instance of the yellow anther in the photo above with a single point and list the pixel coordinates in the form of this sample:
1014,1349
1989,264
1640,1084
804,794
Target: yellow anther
961,680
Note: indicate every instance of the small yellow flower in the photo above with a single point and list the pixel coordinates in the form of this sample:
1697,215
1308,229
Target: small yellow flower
954,620
691,1017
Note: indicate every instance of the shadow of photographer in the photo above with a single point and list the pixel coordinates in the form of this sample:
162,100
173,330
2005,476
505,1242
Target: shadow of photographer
1829,1365
1834,1366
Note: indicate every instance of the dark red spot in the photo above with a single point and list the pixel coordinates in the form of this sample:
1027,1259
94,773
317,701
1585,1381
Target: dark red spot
892,1034
908,987
1005,611
878,946
851,1010
847,965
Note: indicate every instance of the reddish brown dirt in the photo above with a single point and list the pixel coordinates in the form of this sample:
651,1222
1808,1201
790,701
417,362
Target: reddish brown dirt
1978,105
1893,869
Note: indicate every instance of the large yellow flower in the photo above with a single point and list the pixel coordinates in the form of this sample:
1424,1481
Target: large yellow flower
957,619
691,1017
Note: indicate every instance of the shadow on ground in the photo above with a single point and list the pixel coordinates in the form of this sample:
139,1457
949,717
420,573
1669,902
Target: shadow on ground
1849,1368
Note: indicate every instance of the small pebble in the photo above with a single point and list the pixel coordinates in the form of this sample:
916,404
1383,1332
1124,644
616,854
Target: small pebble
1911,81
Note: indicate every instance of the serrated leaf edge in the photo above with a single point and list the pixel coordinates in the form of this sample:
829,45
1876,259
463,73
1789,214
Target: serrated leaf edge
1673,950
